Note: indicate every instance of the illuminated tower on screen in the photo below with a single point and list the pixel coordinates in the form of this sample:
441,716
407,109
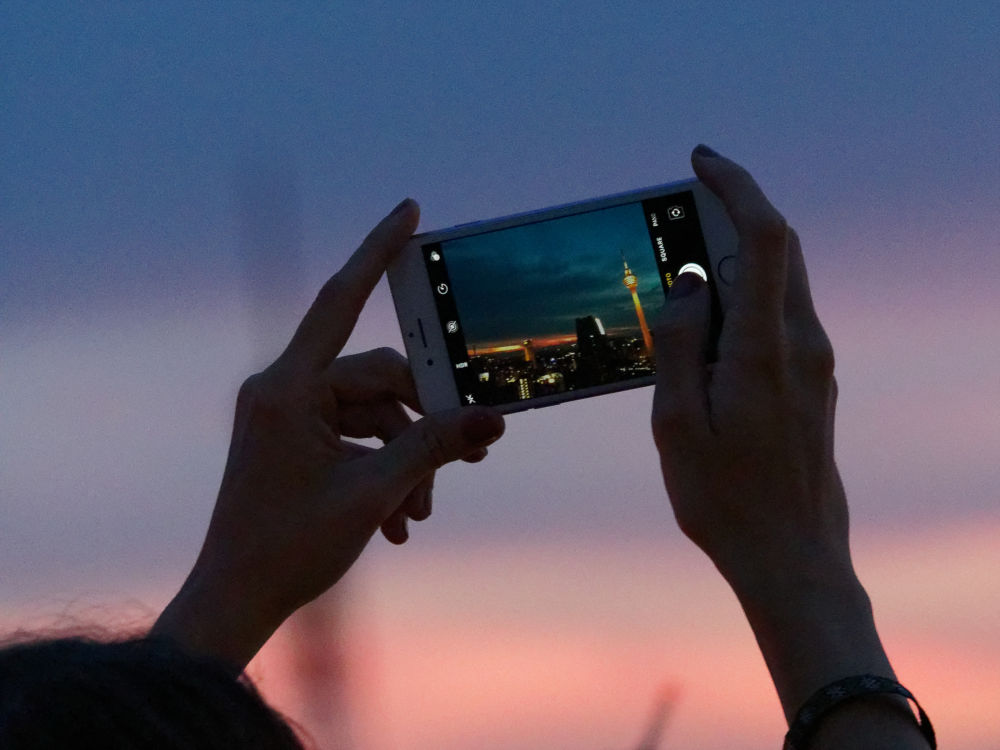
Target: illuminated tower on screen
631,282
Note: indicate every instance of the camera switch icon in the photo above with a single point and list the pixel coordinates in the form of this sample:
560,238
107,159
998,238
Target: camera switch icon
442,288
675,212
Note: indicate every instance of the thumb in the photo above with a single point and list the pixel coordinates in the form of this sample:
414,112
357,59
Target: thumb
680,343
433,441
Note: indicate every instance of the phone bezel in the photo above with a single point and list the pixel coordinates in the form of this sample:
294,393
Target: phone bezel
417,313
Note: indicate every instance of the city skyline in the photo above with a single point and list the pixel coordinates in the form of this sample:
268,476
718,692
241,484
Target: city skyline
630,281
535,280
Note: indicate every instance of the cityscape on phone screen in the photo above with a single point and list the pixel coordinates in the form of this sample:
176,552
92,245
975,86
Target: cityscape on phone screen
562,304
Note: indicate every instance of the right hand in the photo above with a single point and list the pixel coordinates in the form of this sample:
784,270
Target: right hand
746,448
746,442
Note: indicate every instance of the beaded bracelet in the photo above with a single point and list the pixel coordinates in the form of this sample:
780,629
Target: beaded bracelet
826,699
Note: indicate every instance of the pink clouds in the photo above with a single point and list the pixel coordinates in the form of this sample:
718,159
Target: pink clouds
565,645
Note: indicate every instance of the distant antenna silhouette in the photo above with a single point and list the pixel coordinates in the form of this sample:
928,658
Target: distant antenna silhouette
270,248
666,699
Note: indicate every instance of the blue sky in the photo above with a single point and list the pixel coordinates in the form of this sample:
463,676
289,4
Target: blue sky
126,127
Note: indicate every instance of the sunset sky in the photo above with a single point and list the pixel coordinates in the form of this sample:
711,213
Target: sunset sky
534,281
178,179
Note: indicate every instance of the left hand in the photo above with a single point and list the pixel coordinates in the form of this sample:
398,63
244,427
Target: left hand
298,501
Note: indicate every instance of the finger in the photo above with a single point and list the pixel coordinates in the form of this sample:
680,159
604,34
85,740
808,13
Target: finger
432,442
417,506
811,350
680,341
761,260
394,528
327,325
377,374
418,503
800,313
476,456
381,419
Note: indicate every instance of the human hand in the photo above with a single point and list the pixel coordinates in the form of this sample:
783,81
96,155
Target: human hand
746,449
298,501
746,442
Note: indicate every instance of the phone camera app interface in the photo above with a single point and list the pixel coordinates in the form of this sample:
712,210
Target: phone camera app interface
561,305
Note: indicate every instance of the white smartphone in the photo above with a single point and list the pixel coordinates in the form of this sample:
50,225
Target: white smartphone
554,305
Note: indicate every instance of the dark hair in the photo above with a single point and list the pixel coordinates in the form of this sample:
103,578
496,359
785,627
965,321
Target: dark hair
143,693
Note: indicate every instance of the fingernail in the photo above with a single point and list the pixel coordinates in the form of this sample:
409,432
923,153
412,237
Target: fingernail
702,150
403,205
685,284
482,427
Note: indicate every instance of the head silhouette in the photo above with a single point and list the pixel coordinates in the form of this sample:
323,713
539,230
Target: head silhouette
140,693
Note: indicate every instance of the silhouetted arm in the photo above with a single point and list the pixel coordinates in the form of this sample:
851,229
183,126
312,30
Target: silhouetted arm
746,447
298,501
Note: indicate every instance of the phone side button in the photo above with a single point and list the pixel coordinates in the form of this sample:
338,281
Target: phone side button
726,270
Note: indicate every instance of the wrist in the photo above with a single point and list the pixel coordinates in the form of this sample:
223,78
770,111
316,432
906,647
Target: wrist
220,616
813,628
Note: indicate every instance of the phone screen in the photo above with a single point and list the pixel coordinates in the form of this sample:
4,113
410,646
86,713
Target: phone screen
562,304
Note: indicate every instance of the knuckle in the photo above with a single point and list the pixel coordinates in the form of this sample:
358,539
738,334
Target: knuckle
335,292
389,358
767,228
671,419
817,358
768,363
248,392
332,289
434,443
390,354
261,400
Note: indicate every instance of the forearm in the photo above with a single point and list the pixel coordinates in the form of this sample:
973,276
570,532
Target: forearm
815,631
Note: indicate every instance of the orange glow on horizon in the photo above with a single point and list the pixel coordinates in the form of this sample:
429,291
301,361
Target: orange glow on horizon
536,343
540,342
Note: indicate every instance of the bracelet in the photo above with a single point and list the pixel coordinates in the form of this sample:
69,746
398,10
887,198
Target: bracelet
824,700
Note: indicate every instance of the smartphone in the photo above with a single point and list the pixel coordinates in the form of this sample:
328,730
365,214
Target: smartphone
553,305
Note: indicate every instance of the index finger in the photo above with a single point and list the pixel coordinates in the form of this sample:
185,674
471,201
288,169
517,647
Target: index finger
328,324
759,289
